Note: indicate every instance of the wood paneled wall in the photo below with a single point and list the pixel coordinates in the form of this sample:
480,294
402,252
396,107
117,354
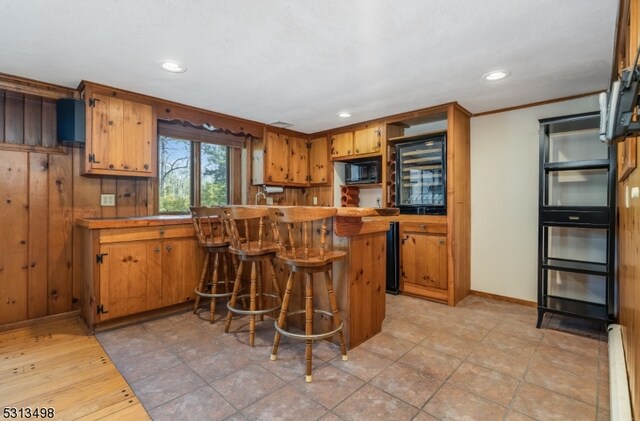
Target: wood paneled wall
41,195
629,227
27,119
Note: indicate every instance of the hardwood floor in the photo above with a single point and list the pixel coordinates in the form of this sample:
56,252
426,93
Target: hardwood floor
60,365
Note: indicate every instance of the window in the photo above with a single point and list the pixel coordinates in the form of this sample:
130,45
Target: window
191,173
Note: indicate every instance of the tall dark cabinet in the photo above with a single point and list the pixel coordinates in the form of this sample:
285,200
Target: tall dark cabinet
576,220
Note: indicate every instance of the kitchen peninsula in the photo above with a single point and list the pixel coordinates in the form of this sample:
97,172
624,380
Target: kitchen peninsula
135,265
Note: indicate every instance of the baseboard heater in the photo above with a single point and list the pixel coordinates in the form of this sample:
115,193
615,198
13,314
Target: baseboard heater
620,400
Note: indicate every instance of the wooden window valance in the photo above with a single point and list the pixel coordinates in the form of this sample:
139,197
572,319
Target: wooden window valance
204,133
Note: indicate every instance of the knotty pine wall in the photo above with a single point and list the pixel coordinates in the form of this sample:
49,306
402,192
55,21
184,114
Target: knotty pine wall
41,196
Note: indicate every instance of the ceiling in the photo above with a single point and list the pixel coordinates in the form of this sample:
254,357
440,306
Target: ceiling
303,62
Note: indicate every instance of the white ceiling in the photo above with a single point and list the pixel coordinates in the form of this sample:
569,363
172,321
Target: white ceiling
304,61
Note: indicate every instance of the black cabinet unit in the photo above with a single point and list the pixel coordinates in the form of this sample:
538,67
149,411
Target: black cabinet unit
576,220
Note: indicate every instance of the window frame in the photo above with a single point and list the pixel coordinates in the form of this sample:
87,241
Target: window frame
195,173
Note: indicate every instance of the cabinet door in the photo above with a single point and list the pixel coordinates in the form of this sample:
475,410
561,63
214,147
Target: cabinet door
277,158
137,135
182,261
319,161
341,145
107,147
298,160
124,272
366,140
121,136
423,259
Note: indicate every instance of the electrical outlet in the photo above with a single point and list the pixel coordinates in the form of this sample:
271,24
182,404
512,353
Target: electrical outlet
315,200
107,200
269,201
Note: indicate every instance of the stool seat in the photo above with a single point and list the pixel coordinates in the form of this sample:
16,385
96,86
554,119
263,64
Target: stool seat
252,248
313,260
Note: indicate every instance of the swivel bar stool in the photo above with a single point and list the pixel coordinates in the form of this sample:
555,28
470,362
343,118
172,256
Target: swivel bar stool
251,248
293,229
208,224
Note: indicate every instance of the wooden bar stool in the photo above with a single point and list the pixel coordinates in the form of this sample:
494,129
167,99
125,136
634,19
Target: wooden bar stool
254,251
301,256
208,224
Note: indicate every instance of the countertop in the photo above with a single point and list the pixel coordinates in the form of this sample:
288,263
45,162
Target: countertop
158,220
132,222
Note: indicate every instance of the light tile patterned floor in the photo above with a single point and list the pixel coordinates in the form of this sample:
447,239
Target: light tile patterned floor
483,359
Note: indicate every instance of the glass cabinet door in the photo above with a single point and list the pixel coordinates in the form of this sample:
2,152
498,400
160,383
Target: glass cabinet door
421,173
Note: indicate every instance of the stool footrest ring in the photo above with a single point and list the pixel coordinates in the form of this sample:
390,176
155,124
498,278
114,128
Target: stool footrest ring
220,295
257,312
309,337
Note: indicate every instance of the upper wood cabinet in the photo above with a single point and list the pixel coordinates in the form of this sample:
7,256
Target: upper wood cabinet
341,145
121,137
367,140
298,160
283,159
364,141
319,161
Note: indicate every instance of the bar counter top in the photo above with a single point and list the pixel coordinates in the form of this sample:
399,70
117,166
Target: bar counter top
150,221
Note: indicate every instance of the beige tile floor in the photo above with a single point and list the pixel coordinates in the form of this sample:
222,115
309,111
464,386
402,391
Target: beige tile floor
483,359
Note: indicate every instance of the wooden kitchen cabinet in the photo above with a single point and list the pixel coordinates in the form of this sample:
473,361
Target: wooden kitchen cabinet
364,141
341,145
423,259
121,136
283,159
128,274
319,161
367,140
298,160
131,269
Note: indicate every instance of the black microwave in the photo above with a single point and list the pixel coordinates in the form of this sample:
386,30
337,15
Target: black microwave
362,172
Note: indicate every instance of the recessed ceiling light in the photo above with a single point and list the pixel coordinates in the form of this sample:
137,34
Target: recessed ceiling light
344,115
495,75
172,66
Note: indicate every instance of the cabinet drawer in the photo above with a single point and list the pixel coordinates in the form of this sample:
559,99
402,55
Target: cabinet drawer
576,217
146,233
423,227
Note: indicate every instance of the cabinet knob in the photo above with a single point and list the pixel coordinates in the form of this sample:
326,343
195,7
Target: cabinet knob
111,166
157,249
442,242
161,232
146,166
423,226
169,248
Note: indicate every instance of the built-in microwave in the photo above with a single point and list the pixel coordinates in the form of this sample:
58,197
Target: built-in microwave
362,172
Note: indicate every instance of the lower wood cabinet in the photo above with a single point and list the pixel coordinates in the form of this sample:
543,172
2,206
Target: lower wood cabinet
423,260
133,270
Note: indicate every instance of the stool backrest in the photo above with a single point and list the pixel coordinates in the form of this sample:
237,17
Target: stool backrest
293,230
246,217
208,224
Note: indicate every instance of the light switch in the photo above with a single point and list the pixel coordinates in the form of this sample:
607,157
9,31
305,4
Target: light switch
269,201
315,200
107,200
635,192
